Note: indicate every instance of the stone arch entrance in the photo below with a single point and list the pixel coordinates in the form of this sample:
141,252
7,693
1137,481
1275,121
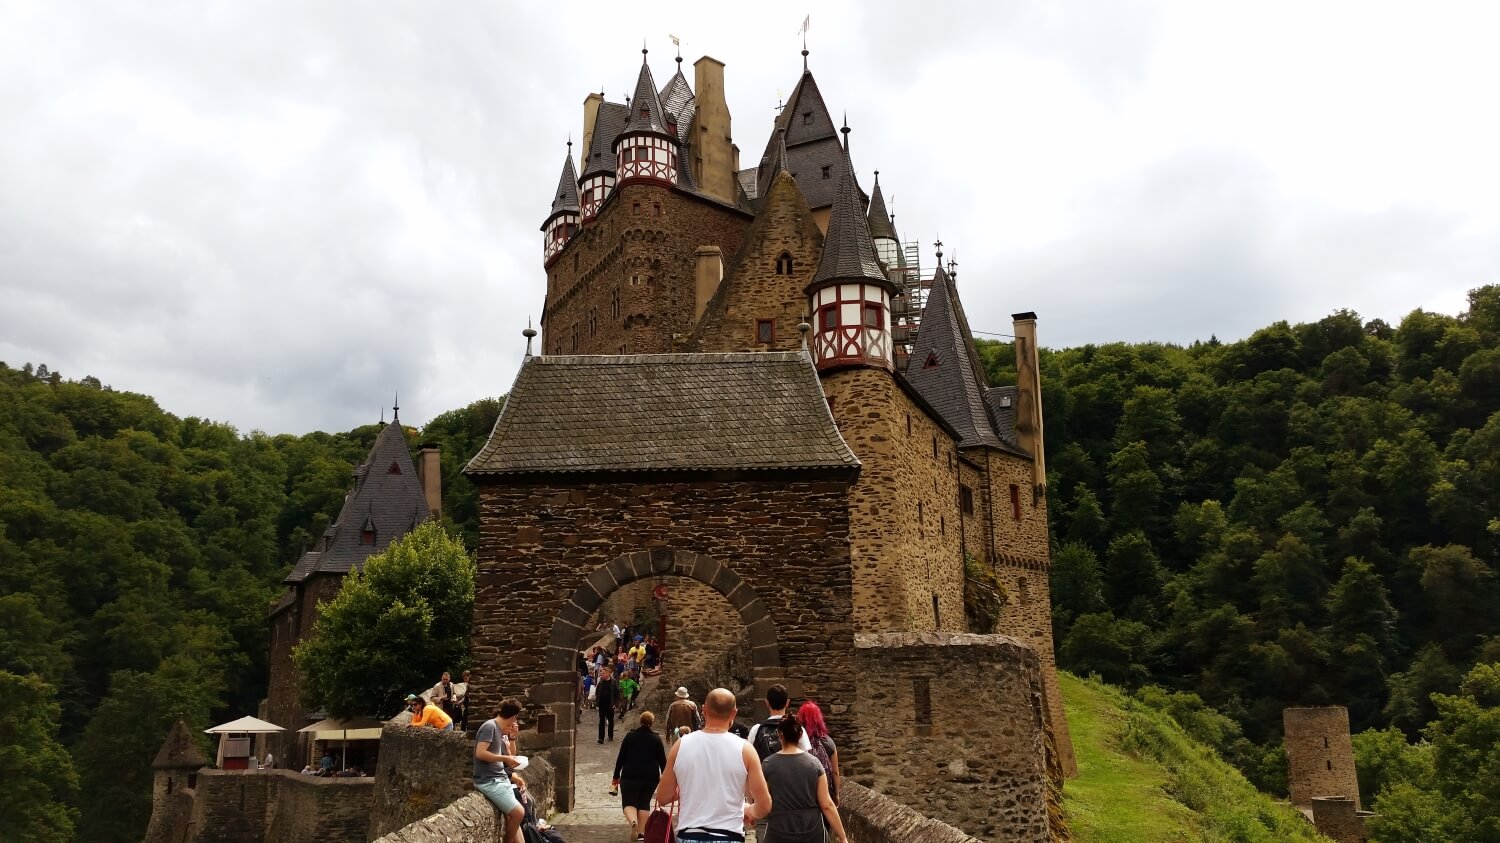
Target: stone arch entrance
558,688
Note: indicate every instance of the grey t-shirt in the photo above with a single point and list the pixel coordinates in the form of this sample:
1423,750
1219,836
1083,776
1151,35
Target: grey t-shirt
485,771
795,815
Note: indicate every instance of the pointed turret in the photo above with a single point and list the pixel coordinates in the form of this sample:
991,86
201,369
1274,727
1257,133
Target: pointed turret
647,147
597,180
882,230
850,293
179,751
563,222
678,101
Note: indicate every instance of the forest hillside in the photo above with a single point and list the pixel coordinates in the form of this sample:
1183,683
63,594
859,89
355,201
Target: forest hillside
1308,515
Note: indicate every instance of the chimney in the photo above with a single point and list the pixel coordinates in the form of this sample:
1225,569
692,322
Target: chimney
430,475
715,157
709,272
590,115
1029,398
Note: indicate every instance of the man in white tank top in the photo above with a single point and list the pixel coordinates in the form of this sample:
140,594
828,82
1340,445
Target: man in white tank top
713,771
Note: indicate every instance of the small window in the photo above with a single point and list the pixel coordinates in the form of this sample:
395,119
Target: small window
1325,743
367,537
765,330
645,112
934,447
827,171
943,524
784,263
874,318
393,469
829,317
593,323
655,209
1024,588
807,118
937,612
966,500
614,304
1015,502
1329,763
635,208
931,362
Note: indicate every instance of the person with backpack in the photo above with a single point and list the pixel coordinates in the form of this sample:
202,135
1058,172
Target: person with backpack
823,747
801,809
766,741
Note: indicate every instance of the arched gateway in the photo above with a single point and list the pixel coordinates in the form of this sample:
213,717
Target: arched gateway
726,469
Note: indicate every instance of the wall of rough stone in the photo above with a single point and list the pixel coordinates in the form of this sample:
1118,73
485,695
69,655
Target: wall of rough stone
870,817
471,819
752,290
171,812
904,524
231,806
659,251
784,541
960,720
309,809
1339,819
420,771
1319,754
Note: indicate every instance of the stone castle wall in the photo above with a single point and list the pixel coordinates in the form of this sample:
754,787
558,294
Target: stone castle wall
905,531
960,720
640,251
1319,754
1339,819
279,806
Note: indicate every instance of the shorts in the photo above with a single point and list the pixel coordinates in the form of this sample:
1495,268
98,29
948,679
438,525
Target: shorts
501,793
635,793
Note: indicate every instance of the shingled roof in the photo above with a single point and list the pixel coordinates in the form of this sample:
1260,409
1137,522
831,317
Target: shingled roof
608,124
1001,401
646,113
179,751
752,411
677,98
566,200
812,143
848,250
387,497
944,366
879,217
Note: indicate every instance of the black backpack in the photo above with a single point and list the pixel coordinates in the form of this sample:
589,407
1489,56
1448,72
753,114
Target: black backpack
767,741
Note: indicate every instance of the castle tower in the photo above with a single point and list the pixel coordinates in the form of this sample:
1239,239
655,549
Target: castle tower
174,783
602,124
850,294
563,222
647,147
887,247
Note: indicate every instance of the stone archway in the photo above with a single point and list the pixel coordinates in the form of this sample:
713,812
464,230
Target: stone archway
560,680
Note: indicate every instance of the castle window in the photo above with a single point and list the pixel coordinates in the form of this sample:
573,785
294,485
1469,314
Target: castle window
645,112
937,614
1329,763
614,304
784,264
593,322
765,330
931,362
827,171
635,208
393,469
934,447
192,780
367,536
169,784
1024,588
943,524
921,696
873,316
966,500
807,118
1015,502
828,317
655,209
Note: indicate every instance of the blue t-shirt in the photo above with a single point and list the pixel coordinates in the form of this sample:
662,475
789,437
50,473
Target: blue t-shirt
486,771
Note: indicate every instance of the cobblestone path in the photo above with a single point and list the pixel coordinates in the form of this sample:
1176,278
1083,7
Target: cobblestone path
596,816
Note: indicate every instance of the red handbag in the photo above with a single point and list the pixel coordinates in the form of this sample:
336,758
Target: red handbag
659,825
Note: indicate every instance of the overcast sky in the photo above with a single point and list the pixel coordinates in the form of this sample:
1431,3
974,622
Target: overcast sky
278,213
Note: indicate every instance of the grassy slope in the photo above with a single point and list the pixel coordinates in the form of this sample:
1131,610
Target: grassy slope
1142,780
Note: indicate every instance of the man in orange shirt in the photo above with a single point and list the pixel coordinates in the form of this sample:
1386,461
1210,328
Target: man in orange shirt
424,713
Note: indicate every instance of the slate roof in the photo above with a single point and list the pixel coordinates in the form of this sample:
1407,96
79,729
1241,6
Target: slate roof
879,217
608,124
646,113
677,98
848,249
179,751
955,386
390,502
811,146
1001,401
751,411
566,200
747,180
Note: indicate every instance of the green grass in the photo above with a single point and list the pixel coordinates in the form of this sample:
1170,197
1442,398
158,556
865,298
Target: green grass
1141,779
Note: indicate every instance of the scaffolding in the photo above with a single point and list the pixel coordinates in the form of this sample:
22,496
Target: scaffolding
906,309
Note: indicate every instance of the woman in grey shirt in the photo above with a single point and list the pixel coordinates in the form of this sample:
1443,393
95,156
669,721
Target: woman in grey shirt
800,803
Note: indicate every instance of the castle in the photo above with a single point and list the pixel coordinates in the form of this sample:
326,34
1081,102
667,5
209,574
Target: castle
746,386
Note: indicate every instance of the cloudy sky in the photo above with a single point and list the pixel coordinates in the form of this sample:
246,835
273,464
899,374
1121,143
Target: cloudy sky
278,213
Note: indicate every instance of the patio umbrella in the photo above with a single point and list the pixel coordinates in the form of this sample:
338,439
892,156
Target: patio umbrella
344,727
244,726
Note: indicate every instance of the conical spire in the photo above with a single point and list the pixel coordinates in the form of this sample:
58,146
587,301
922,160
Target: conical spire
778,162
879,218
646,111
848,249
566,199
179,751
944,365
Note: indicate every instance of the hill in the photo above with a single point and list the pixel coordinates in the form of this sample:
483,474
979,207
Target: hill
1142,779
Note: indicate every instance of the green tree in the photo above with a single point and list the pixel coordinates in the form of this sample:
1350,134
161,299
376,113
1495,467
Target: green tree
1077,588
394,625
1104,645
39,779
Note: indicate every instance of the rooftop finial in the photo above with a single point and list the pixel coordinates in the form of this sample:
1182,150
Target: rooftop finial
953,266
877,177
643,51
804,328
845,131
939,246
396,410
528,334
806,25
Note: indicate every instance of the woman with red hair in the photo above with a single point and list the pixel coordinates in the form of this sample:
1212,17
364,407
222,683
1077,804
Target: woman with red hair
823,748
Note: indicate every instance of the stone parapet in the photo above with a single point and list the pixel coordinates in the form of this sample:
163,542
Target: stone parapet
870,817
241,806
421,770
472,819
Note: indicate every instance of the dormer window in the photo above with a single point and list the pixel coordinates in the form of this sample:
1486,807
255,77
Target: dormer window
646,113
931,362
827,171
807,118
393,469
367,535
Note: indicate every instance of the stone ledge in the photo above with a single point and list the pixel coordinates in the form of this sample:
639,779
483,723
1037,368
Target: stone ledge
876,640
471,818
870,817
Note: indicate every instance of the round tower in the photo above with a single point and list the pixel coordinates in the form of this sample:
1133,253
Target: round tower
646,150
850,294
563,222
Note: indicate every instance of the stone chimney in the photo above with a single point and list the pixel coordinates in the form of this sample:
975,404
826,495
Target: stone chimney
430,475
1029,398
590,115
715,157
708,274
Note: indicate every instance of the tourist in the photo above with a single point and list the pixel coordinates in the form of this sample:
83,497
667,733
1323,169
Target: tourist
325,764
442,695
269,762
710,773
682,716
309,770
424,713
638,769
810,718
628,687
607,695
799,793
493,760
461,701
763,735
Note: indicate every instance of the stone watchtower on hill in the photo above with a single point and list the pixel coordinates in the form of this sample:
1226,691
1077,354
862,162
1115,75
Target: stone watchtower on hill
390,497
174,787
